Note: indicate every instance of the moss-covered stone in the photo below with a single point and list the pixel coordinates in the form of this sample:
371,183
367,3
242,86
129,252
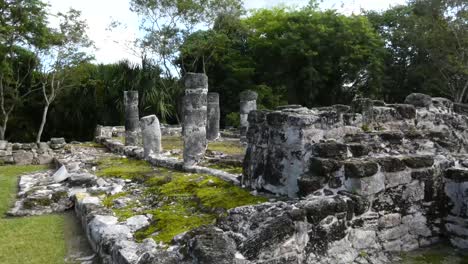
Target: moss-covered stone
124,168
180,201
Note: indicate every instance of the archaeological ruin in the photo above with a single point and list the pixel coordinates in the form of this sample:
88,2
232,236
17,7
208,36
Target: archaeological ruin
339,184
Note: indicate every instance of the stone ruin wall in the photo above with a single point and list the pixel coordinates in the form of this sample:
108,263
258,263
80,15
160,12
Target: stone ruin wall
30,153
403,166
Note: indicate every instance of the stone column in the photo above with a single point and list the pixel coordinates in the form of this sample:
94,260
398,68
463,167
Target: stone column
151,134
132,119
248,102
195,114
212,125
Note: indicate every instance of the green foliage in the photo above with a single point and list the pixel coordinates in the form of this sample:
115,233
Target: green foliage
233,119
425,42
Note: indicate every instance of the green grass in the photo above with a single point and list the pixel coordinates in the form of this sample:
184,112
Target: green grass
30,240
184,200
227,147
172,142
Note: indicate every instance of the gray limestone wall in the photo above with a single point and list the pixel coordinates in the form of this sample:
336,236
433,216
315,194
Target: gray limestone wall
405,165
29,153
195,117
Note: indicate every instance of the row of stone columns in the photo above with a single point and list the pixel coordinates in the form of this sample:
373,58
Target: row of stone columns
201,116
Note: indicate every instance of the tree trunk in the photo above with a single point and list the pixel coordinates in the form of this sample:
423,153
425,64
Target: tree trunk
3,128
43,122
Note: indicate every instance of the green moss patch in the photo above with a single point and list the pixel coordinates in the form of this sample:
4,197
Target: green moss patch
180,201
172,142
124,168
227,147
225,167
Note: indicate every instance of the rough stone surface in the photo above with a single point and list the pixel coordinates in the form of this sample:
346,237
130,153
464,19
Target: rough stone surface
419,100
195,118
213,117
248,102
151,135
131,117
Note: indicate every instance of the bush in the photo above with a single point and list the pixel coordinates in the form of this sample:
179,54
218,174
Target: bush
233,119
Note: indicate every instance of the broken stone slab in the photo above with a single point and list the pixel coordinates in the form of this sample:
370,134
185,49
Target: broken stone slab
57,143
334,150
418,161
419,100
323,167
23,157
61,174
391,164
82,179
360,168
151,134
137,222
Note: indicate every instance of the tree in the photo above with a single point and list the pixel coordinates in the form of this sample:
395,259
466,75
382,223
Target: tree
23,24
67,50
426,44
168,23
320,57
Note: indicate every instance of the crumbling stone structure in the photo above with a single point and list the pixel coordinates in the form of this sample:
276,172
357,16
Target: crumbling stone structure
403,167
195,116
131,118
248,102
213,117
30,153
151,134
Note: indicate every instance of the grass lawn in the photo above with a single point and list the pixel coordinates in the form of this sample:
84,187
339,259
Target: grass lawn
30,240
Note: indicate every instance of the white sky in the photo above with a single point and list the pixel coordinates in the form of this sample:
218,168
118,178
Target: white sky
113,46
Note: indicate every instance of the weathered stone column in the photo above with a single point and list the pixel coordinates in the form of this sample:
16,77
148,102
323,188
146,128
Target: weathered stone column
151,134
212,125
248,102
132,119
195,114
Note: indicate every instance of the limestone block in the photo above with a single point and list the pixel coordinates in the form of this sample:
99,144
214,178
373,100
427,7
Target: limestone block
419,100
23,157
151,134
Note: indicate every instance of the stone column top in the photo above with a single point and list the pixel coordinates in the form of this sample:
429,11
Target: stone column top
213,97
195,81
248,95
130,96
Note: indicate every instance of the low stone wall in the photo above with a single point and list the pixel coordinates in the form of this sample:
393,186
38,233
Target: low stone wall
29,153
119,131
165,161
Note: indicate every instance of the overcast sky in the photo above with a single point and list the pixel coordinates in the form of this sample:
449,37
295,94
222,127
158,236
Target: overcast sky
113,46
